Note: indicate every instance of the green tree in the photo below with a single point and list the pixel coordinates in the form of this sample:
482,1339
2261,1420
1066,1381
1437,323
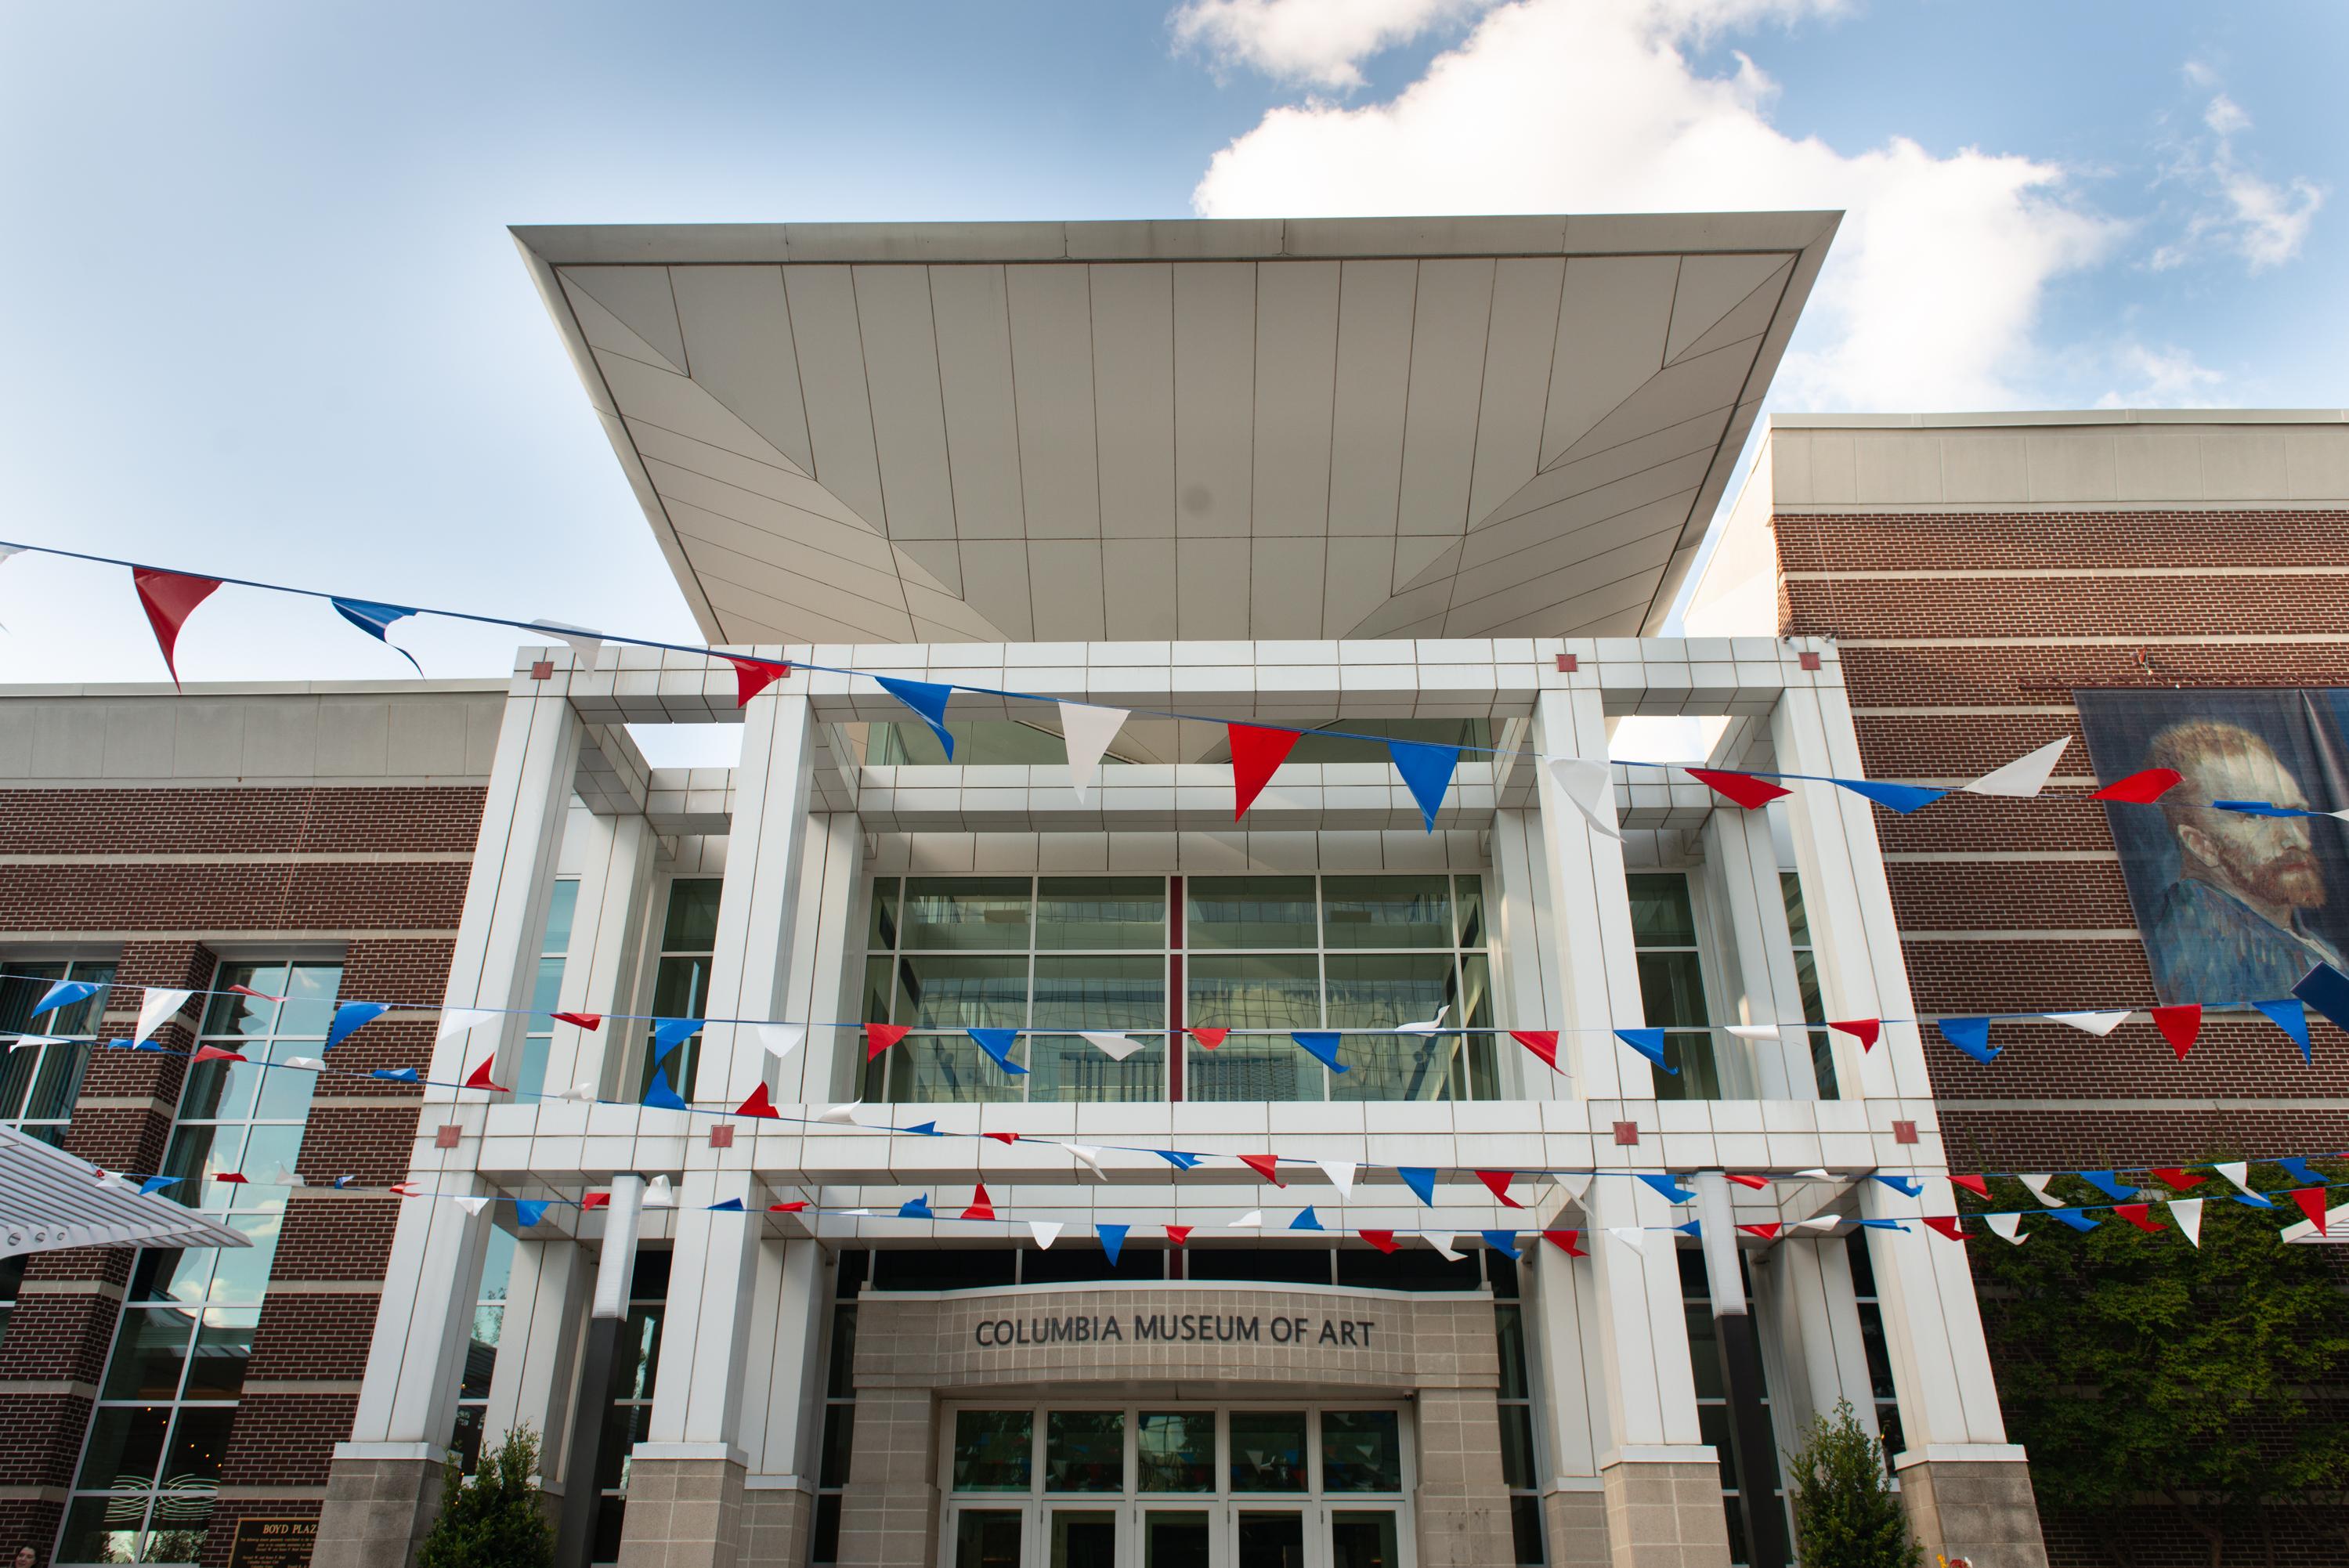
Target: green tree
1847,1514
494,1520
2135,1364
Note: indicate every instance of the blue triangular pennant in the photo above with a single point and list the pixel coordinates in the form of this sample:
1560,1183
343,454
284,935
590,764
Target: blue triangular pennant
1649,1042
728,1206
916,1209
1907,1186
2326,990
670,1033
157,1184
2291,1015
1112,1240
1307,1220
375,620
1427,771
1503,1242
529,1212
2076,1218
661,1096
998,1044
350,1017
1901,798
397,1075
2104,1181
1321,1045
1689,1228
344,1180
1670,1188
2301,1172
2261,808
1176,1158
1971,1035
1881,1225
1421,1180
62,993
927,699
922,1130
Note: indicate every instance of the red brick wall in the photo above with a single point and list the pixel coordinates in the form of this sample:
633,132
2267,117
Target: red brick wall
1961,637
374,870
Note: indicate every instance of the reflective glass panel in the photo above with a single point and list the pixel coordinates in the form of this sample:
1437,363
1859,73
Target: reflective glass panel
1176,1450
1267,1451
1361,1450
1096,913
1271,1540
1250,912
1125,992
1176,1539
150,1352
994,1450
1084,1450
1279,991
966,913
1387,911
986,1538
1362,1539
1084,1538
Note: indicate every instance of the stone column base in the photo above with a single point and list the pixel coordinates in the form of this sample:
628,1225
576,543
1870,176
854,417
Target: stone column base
376,1511
1981,1509
1461,1507
1663,1509
682,1513
1574,1523
776,1526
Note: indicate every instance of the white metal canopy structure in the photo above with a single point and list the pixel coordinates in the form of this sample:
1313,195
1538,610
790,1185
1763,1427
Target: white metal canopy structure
49,1199
1205,430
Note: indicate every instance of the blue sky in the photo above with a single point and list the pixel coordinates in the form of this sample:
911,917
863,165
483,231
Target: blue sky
262,316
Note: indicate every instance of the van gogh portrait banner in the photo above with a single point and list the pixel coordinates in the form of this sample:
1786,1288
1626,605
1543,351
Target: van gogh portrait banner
2239,881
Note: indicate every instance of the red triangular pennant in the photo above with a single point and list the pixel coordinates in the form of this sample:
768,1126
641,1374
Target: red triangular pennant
793,1207
249,991
169,598
215,1053
1255,753
1867,1031
1768,1232
1569,1241
1002,1137
2312,1203
879,1037
1178,1235
1383,1240
1265,1165
1496,1182
1740,789
1948,1225
236,1179
753,676
980,1208
2176,1180
1978,1185
591,1022
1756,1182
2179,1025
2136,1214
481,1078
759,1105
1542,1043
1209,1038
2141,789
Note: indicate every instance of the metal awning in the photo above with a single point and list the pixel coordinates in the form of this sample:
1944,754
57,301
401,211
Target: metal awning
50,1199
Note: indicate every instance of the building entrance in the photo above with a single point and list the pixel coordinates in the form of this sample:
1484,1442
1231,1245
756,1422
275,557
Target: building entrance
1255,1486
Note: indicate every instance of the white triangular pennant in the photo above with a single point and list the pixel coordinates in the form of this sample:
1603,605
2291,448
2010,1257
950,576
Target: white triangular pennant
1088,730
2007,1225
22,1041
2024,777
470,1205
1116,1047
1441,1242
1631,1236
2187,1212
1574,1183
1046,1232
2038,1185
1341,1173
160,1004
579,1093
2238,1171
1251,1221
1752,1031
459,1020
111,1179
1819,1223
1591,787
584,643
659,1194
2099,1024
781,1039
307,1064
1429,1027
843,1114
283,1176
1816,1173
1090,1155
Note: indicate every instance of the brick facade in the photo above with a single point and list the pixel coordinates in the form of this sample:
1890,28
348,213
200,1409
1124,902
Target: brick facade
152,877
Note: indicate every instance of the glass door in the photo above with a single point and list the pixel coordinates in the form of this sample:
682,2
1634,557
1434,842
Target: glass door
1268,1536
1083,1538
1364,1538
986,1538
1177,1538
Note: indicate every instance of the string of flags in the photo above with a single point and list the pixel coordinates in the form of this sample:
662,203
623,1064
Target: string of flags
170,597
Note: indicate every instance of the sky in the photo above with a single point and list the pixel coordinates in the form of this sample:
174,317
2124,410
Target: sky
261,316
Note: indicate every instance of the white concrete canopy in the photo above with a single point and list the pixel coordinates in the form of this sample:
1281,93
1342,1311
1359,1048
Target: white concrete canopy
1358,428
49,1199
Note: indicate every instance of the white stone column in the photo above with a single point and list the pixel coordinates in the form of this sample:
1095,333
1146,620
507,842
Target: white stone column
1817,1315
538,1350
1562,1346
1758,953
1525,980
599,971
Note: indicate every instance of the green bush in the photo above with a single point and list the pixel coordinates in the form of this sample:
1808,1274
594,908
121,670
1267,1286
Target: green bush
494,1520
1846,1512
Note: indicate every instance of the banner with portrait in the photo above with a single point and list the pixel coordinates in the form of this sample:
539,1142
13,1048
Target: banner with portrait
2233,905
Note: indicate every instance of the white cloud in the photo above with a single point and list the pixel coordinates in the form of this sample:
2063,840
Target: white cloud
2264,223
2225,116
1321,43
2166,377
1932,289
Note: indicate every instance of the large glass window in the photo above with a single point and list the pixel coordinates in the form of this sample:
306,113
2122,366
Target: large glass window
1712,1417
152,1466
839,1406
39,1083
1874,1347
681,976
628,1405
482,1349
546,991
1359,954
1519,1467
1807,974
1671,982
1288,1451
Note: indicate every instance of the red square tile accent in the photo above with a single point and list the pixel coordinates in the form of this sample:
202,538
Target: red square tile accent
448,1136
1904,1133
721,1138
1627,1132
543,671
1809,661
1567,664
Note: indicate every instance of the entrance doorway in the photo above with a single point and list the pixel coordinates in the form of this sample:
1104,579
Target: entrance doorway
1164,1486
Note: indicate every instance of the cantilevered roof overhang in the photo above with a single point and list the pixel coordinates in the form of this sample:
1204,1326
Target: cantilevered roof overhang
1208,430
49,1199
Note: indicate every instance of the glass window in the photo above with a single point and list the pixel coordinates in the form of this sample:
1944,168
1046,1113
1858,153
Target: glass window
1267,1451
39,1083
546,991
986,1538
681,977
1084,1538
1251,912
1094,915
1712,1397
1806,975
482,1349
1117,992
1084,1450
1519,1467
1361,1450
628,1401
12,1278
1362,1538
839,1418
1872,1344
960,914
1671,982
1387,912
995,1450
1176,1450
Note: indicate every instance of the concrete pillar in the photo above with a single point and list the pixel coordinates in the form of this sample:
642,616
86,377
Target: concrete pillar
1811,1305
538,1351
1749,911
693,1461
1967,1489
1461,1512
1525,981
889,1510
1559,1306
783,1404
